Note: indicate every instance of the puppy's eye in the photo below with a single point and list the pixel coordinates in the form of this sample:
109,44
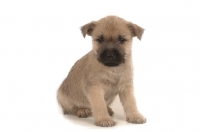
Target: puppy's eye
100,40
122,40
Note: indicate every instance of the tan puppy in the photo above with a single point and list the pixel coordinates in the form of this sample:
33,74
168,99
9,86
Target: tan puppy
104,72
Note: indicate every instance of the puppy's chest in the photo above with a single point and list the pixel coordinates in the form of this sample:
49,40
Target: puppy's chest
111,88
112,83
111,78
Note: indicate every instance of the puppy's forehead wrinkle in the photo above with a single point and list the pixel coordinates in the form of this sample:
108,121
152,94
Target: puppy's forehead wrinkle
112,32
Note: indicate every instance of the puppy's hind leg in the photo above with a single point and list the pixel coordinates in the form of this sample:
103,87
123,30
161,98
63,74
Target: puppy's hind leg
69,108
110,111
66,106
83,112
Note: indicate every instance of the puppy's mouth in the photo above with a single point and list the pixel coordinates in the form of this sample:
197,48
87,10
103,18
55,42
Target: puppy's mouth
111,58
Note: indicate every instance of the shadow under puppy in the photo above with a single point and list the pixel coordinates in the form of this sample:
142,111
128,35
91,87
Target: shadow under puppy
107,70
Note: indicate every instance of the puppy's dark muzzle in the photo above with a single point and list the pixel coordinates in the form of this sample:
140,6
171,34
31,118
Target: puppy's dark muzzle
111,57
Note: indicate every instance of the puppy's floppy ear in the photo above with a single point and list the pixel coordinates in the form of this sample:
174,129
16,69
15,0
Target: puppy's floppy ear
88,28
136,30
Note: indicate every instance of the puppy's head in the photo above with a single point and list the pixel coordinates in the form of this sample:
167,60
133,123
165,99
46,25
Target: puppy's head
112,39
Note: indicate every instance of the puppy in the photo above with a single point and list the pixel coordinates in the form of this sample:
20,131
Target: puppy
104,72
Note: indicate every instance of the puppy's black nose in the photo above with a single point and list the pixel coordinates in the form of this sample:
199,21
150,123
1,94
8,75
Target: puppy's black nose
110,55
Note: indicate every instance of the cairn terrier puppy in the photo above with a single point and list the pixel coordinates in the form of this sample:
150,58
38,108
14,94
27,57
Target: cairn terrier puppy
106,71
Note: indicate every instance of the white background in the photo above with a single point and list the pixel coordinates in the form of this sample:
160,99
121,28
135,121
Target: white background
40,40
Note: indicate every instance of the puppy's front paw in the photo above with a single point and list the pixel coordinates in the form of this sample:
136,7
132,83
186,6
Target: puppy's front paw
136,118
105,123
